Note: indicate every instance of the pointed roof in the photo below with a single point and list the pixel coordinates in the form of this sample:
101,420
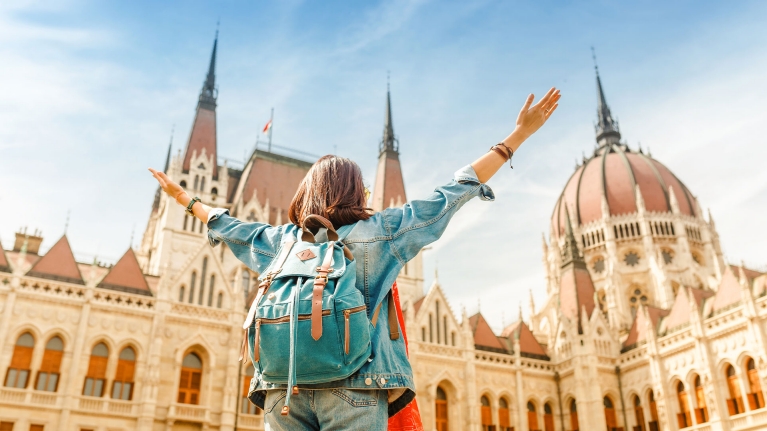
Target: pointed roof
484,337
576,289
728,293
4,265
606,126
638,331
157,194
750,274
389,188
528,344
58,264
203,134
679,315
126,276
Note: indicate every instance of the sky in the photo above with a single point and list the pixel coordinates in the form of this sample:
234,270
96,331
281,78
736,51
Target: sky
92,92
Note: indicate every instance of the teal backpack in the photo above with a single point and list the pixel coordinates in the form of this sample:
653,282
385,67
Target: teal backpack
308,323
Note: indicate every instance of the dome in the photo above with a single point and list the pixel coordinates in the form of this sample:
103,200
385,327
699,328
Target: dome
616,173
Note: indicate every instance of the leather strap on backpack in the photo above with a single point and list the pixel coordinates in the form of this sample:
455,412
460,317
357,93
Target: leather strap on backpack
393,322
320,280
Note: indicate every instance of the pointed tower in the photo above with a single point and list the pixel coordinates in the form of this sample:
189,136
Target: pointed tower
389,188
606,127
203,135
389,191
576,289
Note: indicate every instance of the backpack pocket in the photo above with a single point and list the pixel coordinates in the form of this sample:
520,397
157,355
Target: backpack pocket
355,327
315,359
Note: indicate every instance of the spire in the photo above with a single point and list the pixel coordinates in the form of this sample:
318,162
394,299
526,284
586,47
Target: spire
570,252
170,145
389,142
389,188
202,139
606,127
208,94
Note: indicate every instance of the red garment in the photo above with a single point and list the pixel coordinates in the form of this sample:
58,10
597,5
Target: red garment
409,418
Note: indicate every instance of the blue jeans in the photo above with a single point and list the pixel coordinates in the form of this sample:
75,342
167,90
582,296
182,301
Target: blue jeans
328,410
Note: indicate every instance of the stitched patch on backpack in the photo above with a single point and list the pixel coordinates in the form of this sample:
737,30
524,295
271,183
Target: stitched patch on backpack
306,255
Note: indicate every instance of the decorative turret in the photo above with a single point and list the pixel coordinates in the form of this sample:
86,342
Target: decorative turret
576,290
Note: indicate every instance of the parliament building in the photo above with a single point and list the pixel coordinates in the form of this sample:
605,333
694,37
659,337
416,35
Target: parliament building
645,327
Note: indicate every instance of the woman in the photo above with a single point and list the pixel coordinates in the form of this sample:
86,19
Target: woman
381,244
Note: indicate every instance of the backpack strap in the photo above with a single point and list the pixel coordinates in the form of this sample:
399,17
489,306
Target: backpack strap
320,280
392,311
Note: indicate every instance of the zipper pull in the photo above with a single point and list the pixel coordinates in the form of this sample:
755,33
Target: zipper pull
256,355
346,330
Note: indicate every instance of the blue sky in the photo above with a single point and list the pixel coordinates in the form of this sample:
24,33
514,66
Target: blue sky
89,92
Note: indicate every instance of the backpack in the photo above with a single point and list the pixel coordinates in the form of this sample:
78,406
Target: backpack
308,323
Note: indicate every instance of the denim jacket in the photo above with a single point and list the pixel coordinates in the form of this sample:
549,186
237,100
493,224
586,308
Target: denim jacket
381,245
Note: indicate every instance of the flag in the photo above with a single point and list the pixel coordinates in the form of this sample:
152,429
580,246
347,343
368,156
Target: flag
268,126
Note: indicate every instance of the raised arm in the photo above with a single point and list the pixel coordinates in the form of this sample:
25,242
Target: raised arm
530,119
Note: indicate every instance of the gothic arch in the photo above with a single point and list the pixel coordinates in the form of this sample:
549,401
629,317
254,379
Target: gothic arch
202,349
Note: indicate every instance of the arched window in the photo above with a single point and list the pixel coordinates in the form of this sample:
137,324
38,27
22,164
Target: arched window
181,291
210,289
609,413
186,220
214,192
122,387
191,287
202,184
246,406
486,413
18,373
437,317
532,416
182,184
683,417
638,413
573,415
755,396
201,226
504,416
701,411
444,329
191,380
48,376
202,279
423,334
245,283
735,402
196,181
654,425
440,407
194,224
452,338
220,300
548,418
431,328
95,380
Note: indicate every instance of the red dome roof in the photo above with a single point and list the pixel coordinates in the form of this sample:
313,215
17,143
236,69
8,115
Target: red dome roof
614,172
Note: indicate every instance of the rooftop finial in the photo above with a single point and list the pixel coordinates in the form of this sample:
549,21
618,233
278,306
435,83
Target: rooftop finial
389,142
606,127
209,94
66,223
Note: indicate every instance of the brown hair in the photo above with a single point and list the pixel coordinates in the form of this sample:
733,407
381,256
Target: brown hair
333,189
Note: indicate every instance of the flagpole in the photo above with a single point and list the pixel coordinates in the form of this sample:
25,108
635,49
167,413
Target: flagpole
271,126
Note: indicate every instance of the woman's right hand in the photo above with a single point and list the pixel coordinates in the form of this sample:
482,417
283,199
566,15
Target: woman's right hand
168,186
